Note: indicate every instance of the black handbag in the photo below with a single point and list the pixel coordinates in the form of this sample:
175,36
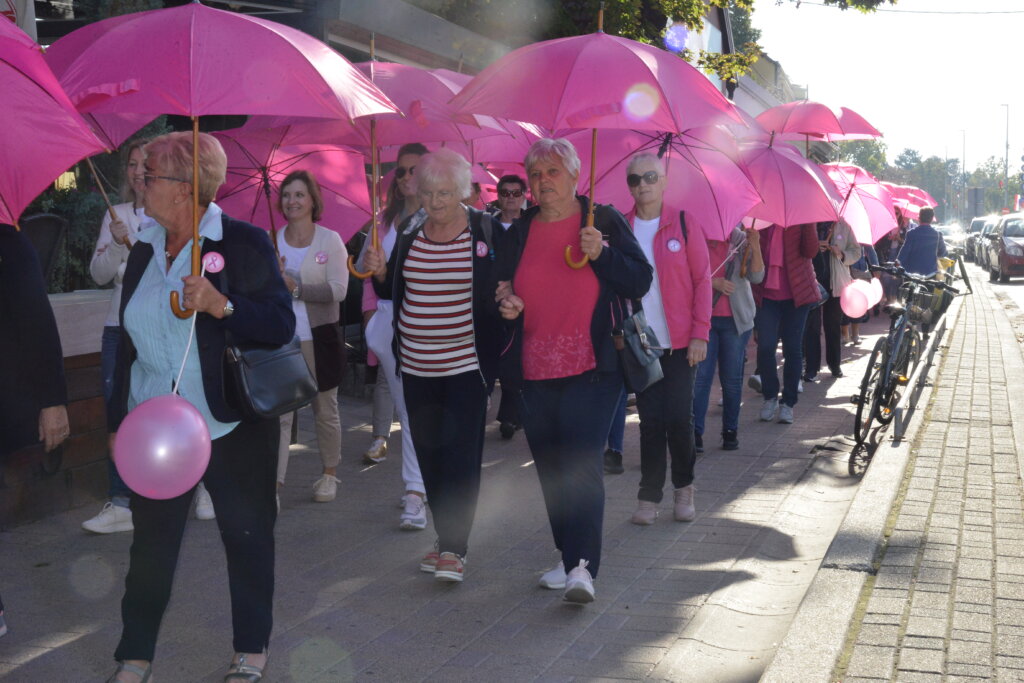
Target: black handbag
264,381
639,353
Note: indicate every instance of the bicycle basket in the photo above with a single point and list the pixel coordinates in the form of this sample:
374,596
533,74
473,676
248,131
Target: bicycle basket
919,308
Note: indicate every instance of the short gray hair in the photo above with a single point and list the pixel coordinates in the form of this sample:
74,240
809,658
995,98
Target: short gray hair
644,157
550,149
173,152
445,165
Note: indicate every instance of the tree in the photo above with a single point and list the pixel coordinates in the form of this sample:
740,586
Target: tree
743,30
868,154
908,159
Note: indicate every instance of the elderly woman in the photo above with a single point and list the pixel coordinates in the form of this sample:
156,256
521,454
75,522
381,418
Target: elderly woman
678,309
441,277
735,264
378,317
247,299
563,341
313,264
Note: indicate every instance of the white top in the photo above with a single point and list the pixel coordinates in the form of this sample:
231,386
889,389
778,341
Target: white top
109,258
654,310
292,259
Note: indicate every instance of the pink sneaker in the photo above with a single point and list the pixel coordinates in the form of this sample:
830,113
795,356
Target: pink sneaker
449,567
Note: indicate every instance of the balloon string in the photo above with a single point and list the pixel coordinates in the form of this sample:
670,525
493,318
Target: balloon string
188,347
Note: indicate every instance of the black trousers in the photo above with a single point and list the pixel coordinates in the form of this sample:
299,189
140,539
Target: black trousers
666,424
508,408
447,416
241,480
830,317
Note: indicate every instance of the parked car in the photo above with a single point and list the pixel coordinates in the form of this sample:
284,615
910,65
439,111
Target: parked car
973,230
1006,248
955,238
981,246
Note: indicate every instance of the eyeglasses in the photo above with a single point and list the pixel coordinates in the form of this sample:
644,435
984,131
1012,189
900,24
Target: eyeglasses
651,177
505,194
402,170
147,176
443,195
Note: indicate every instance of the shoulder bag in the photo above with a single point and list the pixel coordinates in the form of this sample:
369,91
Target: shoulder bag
639,352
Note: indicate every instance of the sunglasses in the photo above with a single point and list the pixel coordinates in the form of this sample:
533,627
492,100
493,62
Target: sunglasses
505,194
402,170
146,177
651,177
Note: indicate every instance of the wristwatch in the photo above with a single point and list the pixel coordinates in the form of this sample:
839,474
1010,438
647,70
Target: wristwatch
296,290
229,308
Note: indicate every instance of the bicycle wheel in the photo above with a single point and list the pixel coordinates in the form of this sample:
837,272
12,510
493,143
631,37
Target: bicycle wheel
902,366
866,403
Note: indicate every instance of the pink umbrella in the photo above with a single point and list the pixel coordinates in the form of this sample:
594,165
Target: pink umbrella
41,134
704,176
794,190
257,165
805,118
193,60
867,206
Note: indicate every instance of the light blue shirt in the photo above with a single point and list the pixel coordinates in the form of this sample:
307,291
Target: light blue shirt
159,336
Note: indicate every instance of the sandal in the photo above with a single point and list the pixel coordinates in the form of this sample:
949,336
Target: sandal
143,674
241,672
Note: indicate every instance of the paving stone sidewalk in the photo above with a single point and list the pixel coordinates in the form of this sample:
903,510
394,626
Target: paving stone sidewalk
705,601
948,599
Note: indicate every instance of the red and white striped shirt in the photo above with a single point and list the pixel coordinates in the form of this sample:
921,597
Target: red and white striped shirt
435,323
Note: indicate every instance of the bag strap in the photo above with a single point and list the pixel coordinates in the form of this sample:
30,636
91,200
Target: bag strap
477,222
682,226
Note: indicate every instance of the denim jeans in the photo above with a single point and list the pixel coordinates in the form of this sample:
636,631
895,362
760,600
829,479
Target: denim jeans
566,421
666,428
118,491
617,434
726,349
780,319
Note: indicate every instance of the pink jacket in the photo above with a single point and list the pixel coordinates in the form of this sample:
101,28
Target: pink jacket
684,276
800,245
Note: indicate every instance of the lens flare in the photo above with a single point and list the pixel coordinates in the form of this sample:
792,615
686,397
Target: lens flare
641,101
676,37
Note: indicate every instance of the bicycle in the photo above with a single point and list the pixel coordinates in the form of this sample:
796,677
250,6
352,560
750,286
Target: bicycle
895,356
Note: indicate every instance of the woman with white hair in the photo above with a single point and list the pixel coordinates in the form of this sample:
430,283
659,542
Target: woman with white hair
563,346
442,277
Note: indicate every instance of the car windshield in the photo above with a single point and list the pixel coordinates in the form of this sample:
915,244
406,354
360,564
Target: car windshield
977,224
1014,228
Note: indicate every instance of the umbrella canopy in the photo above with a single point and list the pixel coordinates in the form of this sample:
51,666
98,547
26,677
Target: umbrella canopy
194,60
596,81
41,134
867,206
814,119
257,165
793,190
704,176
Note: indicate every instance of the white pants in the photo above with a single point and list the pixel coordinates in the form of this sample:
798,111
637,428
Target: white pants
379,333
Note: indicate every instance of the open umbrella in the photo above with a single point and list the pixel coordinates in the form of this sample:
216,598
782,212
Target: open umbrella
805,118
257,165
793,190
867,206
41,134
596,81
704,175
193,60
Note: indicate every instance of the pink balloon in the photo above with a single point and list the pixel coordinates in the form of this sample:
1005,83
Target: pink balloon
876,292
853,300
162,447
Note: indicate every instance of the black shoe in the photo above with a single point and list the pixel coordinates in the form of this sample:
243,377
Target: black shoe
698,443
837,373
508,430
808,377
729,440
613,462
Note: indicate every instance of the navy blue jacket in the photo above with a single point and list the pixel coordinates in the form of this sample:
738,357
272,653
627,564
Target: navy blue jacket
922,249
623,274
263,312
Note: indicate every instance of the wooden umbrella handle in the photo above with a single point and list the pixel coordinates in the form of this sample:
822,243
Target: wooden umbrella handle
179,312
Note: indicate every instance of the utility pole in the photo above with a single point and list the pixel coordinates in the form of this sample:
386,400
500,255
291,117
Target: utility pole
964,218
1006,161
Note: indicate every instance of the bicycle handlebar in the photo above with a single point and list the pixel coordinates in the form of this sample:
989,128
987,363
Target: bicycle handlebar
898,271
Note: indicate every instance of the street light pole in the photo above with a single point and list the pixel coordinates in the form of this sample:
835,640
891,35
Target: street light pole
963,179
1006,161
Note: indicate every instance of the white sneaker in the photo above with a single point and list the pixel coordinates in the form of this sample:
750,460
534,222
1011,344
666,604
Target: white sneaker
377,452
755,383
204,506
768,409
111,519
414,516
579,585
785,414
325,488
800,386
554,578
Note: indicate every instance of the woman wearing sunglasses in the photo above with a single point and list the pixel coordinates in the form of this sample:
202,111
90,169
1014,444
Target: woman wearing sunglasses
678,309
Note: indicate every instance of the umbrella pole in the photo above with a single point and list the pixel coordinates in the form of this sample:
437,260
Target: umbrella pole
590,210
180,312
106,199
374,183
270,211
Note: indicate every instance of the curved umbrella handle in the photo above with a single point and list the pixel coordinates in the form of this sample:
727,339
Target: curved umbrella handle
183,313
356,273
575,264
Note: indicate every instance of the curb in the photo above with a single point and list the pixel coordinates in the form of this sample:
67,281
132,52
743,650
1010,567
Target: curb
815,639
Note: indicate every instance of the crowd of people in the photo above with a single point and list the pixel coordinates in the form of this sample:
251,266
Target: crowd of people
458,300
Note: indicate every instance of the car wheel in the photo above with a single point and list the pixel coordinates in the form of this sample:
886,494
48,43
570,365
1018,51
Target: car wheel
1003,277
992,275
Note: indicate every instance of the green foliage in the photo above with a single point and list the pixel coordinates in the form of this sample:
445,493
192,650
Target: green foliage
868,154
743,30
83,211
865,6
908,159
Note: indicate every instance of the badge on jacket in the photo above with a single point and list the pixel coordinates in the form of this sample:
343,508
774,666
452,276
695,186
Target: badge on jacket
674,245
321,257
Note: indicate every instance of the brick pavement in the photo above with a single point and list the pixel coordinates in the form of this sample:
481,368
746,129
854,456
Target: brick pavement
703,601
947,602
